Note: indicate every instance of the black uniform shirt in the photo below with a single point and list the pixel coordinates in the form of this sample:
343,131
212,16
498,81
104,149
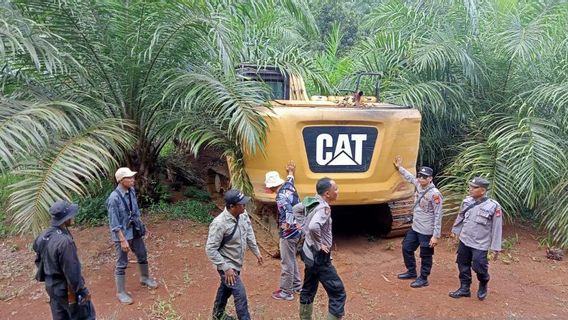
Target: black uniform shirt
56,248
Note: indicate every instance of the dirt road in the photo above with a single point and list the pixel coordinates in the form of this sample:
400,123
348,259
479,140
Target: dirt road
524,284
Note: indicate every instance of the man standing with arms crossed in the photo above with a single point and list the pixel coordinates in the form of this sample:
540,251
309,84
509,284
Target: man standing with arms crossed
479,228
286,198
316,254
426,224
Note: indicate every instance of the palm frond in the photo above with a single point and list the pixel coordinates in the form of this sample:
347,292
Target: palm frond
64,170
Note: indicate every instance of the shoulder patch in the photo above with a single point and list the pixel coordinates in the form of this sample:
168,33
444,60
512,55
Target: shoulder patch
436,198
498,212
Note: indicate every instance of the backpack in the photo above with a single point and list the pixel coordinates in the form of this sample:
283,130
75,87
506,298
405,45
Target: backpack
304,211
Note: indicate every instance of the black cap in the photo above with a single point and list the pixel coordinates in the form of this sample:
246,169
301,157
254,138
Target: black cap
235,196
479,182
425,171
62,211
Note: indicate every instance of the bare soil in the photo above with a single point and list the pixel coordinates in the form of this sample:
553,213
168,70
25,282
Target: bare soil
524,284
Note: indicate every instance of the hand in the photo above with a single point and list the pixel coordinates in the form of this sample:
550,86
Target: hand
230,277
124,246
397,161
495,255
433,242
291,167
85,298
324,248
259,259
285,226
148,233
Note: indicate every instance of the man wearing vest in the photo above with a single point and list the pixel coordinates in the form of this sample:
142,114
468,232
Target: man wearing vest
230,233
478,226
426,224
127,232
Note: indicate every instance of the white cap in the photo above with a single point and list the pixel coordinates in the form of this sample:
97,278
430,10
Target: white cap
273,179
122,173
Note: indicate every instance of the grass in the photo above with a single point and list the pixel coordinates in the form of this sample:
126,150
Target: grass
164,310
5,227
190,209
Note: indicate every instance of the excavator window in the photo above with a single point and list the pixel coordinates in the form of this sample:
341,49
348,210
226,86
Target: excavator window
276,80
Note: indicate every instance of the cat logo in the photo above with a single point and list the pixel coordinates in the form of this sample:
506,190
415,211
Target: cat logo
339,148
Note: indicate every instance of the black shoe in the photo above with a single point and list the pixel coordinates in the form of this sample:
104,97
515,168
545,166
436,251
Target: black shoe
461,292
407,275
419,283
482,291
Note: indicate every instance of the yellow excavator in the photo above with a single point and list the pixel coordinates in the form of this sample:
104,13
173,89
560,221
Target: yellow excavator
351,138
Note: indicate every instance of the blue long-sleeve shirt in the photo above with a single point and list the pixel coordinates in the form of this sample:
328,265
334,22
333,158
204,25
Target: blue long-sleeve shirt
119,214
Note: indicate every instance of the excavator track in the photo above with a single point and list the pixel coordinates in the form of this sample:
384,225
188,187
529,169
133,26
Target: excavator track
263,215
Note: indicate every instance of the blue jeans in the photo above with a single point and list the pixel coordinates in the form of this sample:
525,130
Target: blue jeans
410,243
225,291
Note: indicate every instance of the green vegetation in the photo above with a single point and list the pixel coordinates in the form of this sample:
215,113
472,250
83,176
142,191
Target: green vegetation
93,210
87,86
188,209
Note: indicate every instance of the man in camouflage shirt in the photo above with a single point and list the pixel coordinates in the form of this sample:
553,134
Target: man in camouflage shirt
479,226
286,198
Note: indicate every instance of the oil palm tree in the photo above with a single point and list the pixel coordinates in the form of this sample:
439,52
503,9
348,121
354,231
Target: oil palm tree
490,81
111,62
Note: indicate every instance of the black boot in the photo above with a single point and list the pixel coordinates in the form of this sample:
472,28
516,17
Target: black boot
420,282
407,275
463,291
482,291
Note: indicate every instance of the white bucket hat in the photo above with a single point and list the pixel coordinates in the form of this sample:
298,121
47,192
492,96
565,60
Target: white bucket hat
273,179
122,173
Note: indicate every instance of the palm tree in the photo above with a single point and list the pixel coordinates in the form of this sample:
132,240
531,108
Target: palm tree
115,60
490,81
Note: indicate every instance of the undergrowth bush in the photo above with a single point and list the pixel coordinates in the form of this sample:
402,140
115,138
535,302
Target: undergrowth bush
188,209
93,210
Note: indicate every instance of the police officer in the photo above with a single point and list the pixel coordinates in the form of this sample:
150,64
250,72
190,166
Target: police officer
58,265
479,226
426,225
127,232
316,254
230,234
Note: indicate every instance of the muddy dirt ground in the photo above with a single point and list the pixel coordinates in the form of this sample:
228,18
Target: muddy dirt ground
524,285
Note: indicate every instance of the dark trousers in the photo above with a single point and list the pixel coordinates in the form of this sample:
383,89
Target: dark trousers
224,292
62,310
410,243
469,258
323,271
137,245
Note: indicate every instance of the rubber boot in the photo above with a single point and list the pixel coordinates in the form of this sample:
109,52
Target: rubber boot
306,311
332,317
121,294
463,291
145,279
482,291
